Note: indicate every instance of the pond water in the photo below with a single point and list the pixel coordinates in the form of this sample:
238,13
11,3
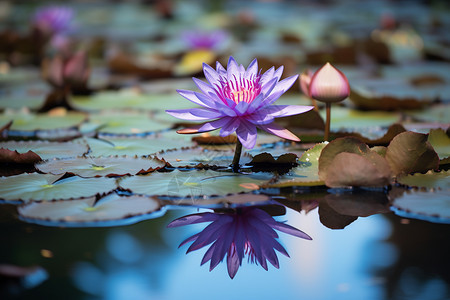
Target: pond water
377,257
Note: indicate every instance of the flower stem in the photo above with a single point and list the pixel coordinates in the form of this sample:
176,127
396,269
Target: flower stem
237,156
327,122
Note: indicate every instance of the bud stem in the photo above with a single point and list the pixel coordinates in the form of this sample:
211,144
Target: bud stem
327,122
237,156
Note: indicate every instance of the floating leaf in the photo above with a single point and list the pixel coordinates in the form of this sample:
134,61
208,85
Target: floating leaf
429,180
410,152
388,94
110,210
126,123
435,113
440,141
129,99
39,187
350,145
306,173
130,146
432,206
12,156
198,157
267,163
193,184
101,166
43,150
351,119
350,169
349,162
23,123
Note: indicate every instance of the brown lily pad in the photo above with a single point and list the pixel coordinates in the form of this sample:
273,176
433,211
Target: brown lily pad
27,152
410,152
349,162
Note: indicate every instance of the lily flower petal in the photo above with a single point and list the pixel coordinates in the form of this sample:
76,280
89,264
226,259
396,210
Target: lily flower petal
242,97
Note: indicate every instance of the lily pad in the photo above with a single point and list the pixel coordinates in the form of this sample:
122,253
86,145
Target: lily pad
349,162
198,157
410,152
110,210
432,206
39,187
101,166
130,146
429,180
28,124
440,141
307,171
348,119
126,123
130,99
43,149
193,184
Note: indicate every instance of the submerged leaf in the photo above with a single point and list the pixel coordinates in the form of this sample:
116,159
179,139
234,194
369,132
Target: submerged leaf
39,187
101,166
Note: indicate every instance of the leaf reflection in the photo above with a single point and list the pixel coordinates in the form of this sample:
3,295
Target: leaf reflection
245,231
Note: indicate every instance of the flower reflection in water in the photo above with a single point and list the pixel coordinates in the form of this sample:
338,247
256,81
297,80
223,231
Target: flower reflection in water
242,231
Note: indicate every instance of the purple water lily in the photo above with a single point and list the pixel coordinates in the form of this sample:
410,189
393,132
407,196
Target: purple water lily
197,39
53,19
239,100
245,231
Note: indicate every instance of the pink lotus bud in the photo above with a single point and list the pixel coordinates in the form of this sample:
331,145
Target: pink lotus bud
76,70
305,80
53,71
329,84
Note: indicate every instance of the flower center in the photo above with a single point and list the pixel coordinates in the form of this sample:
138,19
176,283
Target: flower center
243,89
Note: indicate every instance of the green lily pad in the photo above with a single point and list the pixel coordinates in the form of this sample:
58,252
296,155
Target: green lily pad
31,102
46,149
39,187
350,119
125,123
429,180
193,184
130,99
110,210
198,157
441,144
130,146
432,206
23,122
307,172
410,152
435,113
101,166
